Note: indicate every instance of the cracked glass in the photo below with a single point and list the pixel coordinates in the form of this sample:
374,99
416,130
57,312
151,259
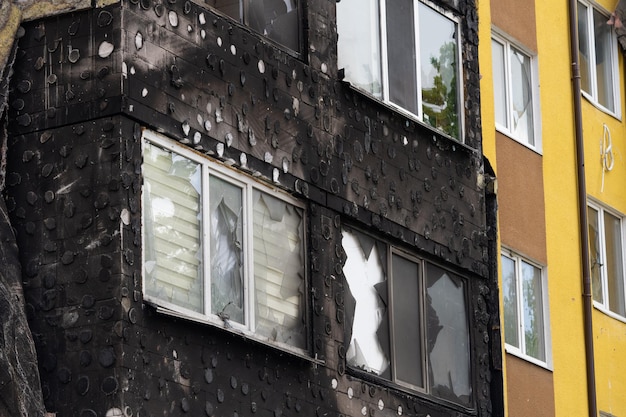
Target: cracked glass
172,228
226,245
406,324
278,270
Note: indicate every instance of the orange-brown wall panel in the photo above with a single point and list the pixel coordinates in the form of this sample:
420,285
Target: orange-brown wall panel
533,393
517,18
520,198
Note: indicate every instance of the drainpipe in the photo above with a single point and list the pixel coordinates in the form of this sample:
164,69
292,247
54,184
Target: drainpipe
582,212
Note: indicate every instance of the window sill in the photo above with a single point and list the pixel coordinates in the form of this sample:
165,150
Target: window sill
600,107
511,350
382,382
601,308
246,335
537,149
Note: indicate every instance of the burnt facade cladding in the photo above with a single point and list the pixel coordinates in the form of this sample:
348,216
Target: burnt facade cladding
216,219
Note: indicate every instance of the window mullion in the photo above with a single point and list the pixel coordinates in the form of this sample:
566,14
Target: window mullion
390,312
604,273
205,223
520,304
509,87
248,258
384,62
418,67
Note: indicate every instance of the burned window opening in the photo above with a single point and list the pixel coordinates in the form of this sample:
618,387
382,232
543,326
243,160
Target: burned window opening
279,20
250,274
407,319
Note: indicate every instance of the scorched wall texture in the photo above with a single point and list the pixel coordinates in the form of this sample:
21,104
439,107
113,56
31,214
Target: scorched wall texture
85,87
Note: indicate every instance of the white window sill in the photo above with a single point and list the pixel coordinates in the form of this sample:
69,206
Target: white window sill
600,107
512,350
600,307
507,133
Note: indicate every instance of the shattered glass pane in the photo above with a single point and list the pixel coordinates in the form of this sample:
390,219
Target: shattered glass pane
278,231
406,322
447,336
172,228
359,45
367,282
226,246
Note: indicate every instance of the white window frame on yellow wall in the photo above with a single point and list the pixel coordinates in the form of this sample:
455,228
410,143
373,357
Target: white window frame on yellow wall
608,267
515,308
221,247
590,55
516,103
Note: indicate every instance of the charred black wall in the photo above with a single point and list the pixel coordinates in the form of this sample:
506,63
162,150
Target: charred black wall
87,83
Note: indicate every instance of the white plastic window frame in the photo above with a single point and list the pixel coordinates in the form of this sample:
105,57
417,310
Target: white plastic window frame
592,96
249,184
521,350
507,43
382,48
604,305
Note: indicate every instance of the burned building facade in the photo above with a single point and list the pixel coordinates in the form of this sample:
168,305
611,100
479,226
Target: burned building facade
256,208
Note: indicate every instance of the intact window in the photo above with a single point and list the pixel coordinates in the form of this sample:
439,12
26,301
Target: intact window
606,252
279,20
405,53
409,320
523,290
220,246
514,92
598,62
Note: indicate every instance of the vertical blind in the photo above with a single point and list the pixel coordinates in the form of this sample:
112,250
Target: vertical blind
256,274
173,244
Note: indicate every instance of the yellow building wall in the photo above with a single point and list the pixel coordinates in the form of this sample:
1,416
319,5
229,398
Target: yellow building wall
564,271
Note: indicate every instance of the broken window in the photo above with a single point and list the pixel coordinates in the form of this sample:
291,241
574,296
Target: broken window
405,53
221,246
279,20
407,319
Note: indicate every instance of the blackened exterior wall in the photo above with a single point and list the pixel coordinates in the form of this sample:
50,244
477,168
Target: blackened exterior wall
85,86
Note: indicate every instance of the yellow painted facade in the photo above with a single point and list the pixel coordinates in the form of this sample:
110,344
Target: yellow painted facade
563,269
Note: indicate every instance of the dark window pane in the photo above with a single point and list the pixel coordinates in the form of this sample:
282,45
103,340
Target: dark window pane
406,305
583,49
276,19
447,336
401,56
